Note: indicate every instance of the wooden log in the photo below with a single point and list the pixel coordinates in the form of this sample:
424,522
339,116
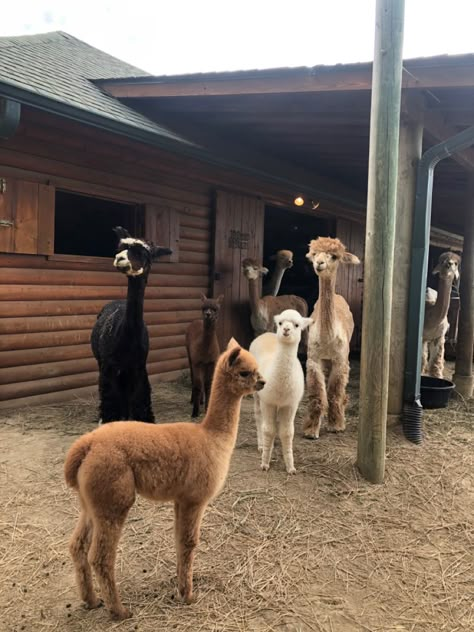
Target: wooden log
192,245
157,369
37,387
166,342
48,277
15,342
191,221
87,292
38,324
380,233
38,356
56,308
195,234
85,394
29,373
169,354
194,257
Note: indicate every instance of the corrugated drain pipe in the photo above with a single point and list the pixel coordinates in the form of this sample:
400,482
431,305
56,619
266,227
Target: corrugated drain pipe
412,409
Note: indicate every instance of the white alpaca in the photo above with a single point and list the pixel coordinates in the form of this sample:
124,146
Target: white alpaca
276,404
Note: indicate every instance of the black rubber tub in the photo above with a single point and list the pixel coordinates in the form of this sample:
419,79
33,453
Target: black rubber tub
435,392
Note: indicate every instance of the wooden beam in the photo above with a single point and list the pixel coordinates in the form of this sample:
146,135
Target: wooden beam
380,239
417,74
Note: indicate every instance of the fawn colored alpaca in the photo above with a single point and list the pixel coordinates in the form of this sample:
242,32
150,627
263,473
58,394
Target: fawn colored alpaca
202,347
276,404
264,309
329,339
119,338
283,261
184,463
436,322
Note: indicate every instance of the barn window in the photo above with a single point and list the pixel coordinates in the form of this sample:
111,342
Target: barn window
83,224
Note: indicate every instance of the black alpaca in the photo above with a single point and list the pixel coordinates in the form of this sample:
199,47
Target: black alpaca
119,338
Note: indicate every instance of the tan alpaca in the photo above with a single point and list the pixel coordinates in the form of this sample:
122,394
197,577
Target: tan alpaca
436,322
329,339
184,463
283,261
264,309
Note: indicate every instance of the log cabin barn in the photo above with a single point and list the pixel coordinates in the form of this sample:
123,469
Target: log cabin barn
208,165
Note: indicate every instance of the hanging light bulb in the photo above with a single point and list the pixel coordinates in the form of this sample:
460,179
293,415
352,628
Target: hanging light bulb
298,201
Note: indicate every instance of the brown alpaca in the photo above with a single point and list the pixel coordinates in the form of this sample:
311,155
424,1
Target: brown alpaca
329,338
184,463
202,347
264,309
436,322
283,261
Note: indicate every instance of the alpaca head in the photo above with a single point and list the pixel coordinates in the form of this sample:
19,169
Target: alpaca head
240,370
252,269
448,266
210,308
326,254
289,325
283,258
135,256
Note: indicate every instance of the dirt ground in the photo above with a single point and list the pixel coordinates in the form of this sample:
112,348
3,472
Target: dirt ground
321,551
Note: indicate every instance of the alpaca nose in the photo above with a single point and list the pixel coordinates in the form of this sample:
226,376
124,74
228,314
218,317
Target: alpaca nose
260,384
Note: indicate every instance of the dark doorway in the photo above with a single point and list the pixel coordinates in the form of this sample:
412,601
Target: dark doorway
291,230
83,224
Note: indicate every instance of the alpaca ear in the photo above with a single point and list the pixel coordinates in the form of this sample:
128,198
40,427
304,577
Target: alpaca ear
306,322
456,274
203,297
232,344
264,270
348,257
436,269
159,251
220,299
122,233
233,355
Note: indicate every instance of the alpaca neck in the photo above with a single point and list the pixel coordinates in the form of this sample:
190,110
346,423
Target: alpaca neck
209,330
327,313
273,286
223,411
441,307
254,295
135,299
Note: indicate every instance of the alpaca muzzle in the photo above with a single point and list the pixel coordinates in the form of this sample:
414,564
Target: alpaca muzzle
259,385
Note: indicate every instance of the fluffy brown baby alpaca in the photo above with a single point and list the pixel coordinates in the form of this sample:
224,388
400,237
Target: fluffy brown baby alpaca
185,463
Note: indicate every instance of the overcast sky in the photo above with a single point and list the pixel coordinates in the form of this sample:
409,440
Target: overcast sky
179,36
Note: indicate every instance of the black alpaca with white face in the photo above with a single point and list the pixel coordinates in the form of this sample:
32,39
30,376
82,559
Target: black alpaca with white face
119,338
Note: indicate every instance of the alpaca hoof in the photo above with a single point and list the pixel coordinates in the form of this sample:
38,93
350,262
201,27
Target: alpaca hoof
336,429
264,467
260,449
183,598
93,604
120,615
292,470
312,436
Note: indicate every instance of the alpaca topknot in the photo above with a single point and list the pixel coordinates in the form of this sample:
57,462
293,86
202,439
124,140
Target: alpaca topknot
326,244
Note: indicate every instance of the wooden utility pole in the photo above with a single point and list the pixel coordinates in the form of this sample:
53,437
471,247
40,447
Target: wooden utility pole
380,231
463,377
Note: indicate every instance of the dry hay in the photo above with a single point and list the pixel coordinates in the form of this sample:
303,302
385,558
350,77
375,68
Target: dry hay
322,551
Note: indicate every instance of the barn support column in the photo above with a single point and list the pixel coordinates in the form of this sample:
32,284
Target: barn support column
380,234
463,377
409,154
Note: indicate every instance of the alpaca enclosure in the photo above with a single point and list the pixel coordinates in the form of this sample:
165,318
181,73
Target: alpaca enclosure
319,551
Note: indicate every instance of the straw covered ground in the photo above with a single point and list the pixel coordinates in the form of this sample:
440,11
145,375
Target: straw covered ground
322,551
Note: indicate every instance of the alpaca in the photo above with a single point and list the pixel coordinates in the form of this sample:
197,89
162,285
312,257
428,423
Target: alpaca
184,463
329,339
119,338
436,323
263,310
276,405
202,347
283,261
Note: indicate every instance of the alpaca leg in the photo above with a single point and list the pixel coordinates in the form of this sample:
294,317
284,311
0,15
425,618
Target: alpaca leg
187,529
140,399
436,365
102,553
110,398
79,548
198,389
424,359
317,399
286,430
337,383
209,374
257,411
269,430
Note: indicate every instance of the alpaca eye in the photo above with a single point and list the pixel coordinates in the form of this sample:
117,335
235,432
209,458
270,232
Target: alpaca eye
279,324
244,373
333,257
296,325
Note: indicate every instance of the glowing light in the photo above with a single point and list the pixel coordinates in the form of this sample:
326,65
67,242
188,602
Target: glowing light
298,201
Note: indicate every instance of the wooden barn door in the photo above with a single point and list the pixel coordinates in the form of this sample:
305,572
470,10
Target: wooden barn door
239,221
